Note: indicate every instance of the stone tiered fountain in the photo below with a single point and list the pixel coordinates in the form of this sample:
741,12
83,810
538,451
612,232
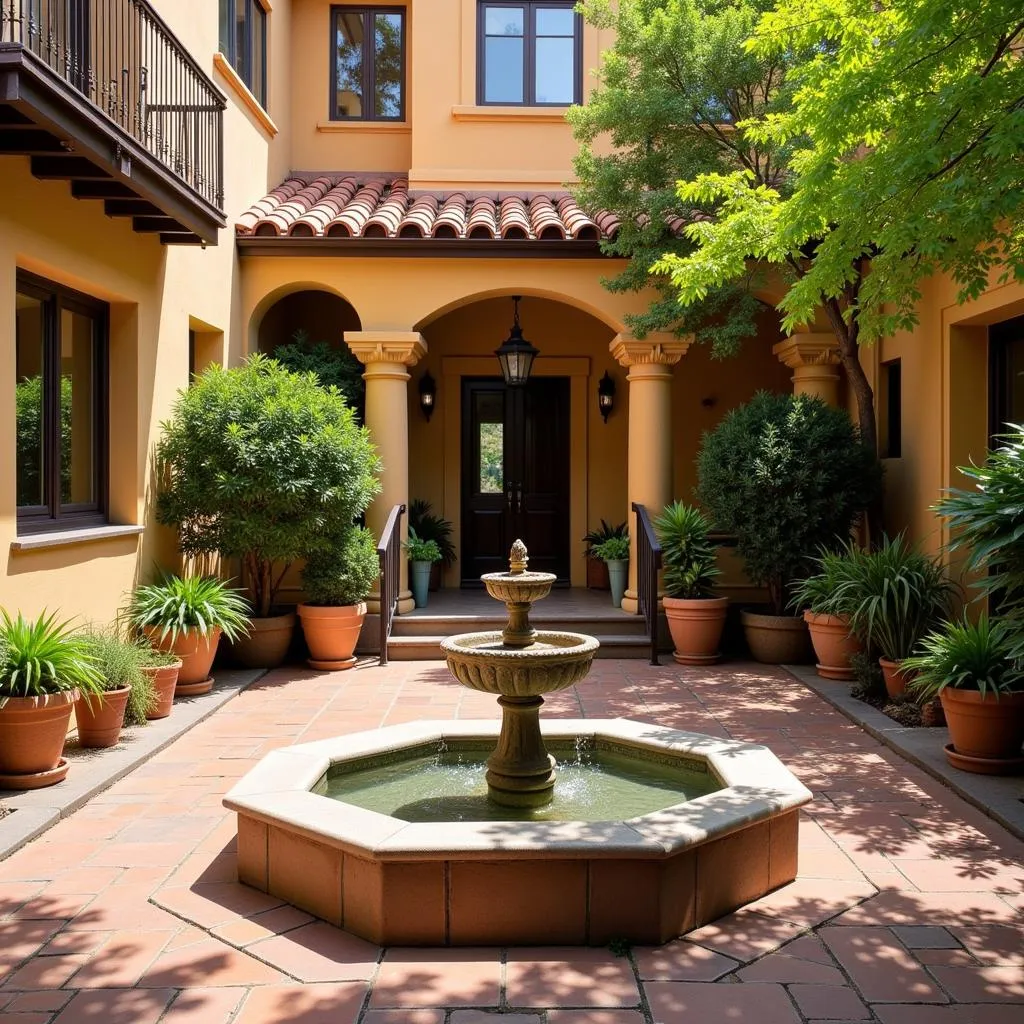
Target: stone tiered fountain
520,664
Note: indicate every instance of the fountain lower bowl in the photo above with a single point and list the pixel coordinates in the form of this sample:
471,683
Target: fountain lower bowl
466,883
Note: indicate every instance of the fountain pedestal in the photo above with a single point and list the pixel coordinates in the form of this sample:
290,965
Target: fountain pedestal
520,772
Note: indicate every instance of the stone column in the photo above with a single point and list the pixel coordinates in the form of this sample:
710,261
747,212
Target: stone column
387,356
649,470
814,360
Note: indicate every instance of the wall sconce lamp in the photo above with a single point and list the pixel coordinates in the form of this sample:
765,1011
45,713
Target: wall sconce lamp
605,395
428,392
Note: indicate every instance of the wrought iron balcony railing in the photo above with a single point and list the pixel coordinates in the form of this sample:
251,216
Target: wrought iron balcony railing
122,57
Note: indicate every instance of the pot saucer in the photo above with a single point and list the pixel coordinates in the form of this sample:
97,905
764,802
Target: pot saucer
984,765
36,780
843,675
330,666
194,689
696,659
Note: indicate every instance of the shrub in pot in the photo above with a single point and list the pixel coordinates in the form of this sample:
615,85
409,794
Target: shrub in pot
615,553
422,556
893,596
695,616
260,464
430,526
981,686
834,641
119,660
185,616
597,568
787,476
336,582
44,666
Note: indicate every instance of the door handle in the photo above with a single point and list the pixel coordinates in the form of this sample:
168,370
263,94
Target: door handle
519,498
508,497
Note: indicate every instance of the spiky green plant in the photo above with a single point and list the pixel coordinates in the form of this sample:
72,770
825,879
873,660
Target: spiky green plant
822,592
178,604
43,656
120,659
687,554
966,655
430,526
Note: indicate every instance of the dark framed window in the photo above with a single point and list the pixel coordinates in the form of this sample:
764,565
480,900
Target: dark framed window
61,359
892,409
243,40
1006,376
530,53
367,63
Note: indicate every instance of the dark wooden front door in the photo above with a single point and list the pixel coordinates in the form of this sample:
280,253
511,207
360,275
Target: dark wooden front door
515,475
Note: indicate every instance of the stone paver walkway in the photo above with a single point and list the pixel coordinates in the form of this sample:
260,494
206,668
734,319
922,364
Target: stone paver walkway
909,908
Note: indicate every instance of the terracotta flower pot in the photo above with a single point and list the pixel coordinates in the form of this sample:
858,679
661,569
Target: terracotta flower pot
332,633
984,727
32,732
895,677
164,679
696,626
833,645
776,639
100,717
195,651
268,641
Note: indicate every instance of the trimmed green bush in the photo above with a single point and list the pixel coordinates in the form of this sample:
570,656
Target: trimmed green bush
344,573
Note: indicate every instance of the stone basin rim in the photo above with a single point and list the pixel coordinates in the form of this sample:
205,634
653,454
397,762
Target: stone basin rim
470,645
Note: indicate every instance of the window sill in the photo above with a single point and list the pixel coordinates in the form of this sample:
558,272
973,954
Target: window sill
63,538
496,114
386,127
241,90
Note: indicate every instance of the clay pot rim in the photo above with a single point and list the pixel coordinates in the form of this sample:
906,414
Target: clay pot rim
330,610
706,602
41,700
264,622
968,695
177,663
765,620
826,620
118,691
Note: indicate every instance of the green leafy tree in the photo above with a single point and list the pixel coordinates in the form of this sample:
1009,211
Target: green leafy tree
674,92
263,465
334,366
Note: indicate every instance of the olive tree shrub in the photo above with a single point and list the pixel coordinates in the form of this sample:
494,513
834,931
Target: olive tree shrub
787,475
263,465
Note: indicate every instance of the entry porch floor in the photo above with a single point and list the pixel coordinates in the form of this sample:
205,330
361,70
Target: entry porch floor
908,909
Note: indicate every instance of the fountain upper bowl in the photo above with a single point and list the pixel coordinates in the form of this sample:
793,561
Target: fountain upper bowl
555,661
518,588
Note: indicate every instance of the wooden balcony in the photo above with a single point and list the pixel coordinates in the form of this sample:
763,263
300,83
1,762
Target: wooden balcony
101,94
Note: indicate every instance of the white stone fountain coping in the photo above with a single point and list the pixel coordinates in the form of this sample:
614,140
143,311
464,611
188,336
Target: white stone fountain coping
757,787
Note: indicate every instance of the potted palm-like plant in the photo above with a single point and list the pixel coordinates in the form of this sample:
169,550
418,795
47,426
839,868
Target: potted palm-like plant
819,596
695,616
970,667
615,552
597,568
44,666
336,583
119,660
893,596
430,526
422,555
185,616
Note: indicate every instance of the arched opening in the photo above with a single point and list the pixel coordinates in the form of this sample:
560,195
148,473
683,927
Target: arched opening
306,331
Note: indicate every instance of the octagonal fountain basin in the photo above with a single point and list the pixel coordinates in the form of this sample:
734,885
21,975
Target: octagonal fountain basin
388,834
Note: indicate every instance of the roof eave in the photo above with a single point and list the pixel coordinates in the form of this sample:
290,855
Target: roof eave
434,248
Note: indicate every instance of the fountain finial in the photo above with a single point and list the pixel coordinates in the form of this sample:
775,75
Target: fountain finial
518,559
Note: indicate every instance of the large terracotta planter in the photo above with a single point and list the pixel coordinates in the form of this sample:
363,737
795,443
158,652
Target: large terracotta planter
696,626
895,677
984,728
833,645
195,651
331,634
268,641
100,717
32,732
776,639
165,680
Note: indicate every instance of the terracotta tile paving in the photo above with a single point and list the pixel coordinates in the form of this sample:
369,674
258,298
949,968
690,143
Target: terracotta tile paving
909,908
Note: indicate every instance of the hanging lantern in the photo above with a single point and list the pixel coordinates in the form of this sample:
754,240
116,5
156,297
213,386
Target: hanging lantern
516,354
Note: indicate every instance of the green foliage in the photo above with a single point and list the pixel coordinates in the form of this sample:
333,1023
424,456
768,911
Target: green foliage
41,656
429,526
893,596
968,656
261,464
420,550
787,476
178,604
604,532
334,366
821,591
120,660
675,91
686,553
28,404
344,573
989,522
612,549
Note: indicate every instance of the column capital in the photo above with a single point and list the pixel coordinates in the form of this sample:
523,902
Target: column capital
801,350
404,348
658,349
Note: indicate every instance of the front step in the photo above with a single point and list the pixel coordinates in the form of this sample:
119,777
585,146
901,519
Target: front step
428,648
428,625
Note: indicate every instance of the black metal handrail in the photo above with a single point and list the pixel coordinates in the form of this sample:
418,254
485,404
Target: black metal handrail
648,566
121,56
389,553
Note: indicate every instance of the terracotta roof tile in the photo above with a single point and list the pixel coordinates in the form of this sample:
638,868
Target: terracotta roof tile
343,205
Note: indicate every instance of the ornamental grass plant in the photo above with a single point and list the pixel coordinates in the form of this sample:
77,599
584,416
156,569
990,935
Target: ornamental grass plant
178,604
44,656
120,659
687,554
